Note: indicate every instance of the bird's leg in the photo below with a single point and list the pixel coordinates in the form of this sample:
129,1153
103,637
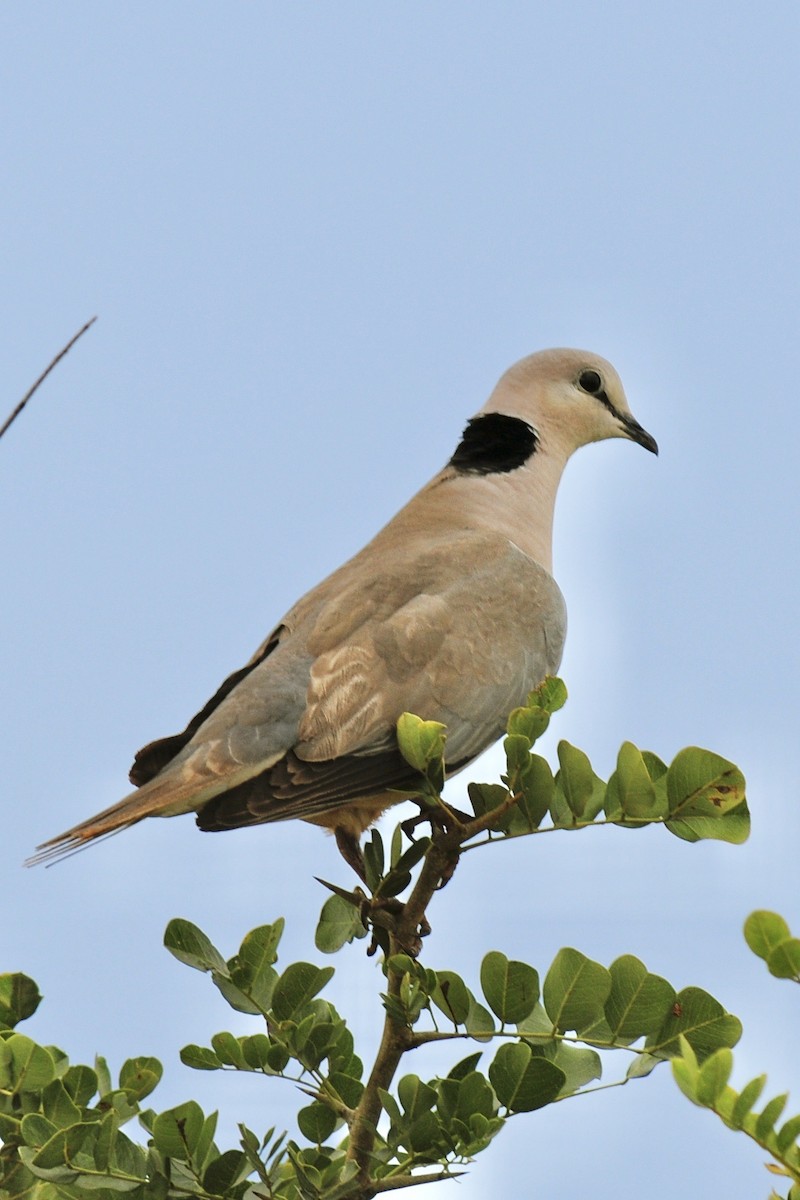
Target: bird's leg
444,819
387,916
350,849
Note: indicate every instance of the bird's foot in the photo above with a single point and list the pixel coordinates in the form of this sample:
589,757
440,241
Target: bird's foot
440,816
386,919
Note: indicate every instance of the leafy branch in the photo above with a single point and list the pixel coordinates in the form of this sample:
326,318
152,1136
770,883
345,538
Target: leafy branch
706,1084
363,1133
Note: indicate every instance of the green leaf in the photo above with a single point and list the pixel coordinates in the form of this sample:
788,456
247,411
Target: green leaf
538,787
104,1086
348,1089
580,1066
259,949
733,827
200,1058
538,1025
24,1066
36,1130
251,971
788,1134
225,1171
191,946
396,846
704,784
486,796
529,722
278,1059
411,855
706,796
390,1107
713,1076
177,1131
465,1067
575,990
316,1122
67,1150
452,997
524,1082
415,1096
58,1106
413,998
511,988
139,1076
308,1180
685,1075
744,1102
765,1121
298,984
474,1096
234,995
642,1065
784,961
638,1002
550,695
517,750
228,1049
764,930
575,779
81,1084
702,1020
423,1136
396,881
19,999
637,794
480,1022
339,923
255,1050
374,859
656,767
420,742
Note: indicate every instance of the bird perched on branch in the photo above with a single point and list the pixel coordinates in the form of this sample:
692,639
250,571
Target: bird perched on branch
450,612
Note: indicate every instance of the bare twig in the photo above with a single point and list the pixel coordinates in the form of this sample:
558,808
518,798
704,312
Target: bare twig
44,375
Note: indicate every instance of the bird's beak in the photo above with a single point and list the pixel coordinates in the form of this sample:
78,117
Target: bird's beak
636,433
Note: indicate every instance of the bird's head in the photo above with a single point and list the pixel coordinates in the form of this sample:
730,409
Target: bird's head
568,397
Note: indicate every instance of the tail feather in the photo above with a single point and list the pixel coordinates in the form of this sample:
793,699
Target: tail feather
72,842
161,798
168,795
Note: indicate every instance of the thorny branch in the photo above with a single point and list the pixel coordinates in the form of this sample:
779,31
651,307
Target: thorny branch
405,925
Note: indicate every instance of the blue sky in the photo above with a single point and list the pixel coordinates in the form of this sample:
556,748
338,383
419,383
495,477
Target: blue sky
314,236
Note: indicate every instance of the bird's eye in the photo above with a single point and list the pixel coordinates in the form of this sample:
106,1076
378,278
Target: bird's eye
591,382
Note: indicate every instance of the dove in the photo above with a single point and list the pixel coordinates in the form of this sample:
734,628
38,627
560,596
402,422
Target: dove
451,612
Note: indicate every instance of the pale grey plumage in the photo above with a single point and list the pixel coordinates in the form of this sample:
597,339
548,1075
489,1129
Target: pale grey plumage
449,612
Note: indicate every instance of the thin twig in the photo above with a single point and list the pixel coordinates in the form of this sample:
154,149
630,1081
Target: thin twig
44,375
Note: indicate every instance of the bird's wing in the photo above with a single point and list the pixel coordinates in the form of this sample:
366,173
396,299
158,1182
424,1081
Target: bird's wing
152,758
467,628
459,633
456,629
